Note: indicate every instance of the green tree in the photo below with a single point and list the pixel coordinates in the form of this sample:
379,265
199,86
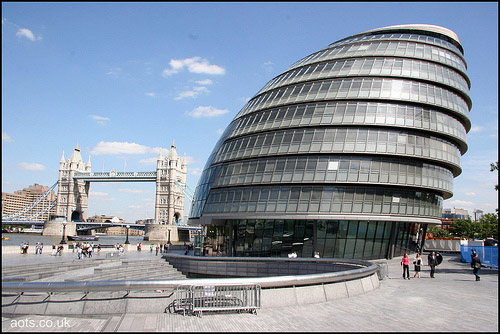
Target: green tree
489,226
465,228
494,167
438,232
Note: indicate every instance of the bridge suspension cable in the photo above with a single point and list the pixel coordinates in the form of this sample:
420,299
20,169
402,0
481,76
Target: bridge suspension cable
186,190
33,210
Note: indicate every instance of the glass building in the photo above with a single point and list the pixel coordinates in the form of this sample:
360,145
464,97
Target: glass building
349,152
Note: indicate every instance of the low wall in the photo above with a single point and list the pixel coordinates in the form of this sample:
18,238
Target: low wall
117,303
442,245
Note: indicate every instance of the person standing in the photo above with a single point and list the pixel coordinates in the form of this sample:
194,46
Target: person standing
405,262
432,262
41,248
476,266
418,265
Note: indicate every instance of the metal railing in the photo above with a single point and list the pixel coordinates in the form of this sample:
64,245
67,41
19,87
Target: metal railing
209,298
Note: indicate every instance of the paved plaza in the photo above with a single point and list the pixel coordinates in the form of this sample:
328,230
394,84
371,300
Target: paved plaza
450,302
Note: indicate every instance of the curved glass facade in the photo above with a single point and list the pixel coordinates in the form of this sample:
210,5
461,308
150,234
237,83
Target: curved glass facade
350,152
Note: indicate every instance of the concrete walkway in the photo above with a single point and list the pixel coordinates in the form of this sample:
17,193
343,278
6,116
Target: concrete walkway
451,302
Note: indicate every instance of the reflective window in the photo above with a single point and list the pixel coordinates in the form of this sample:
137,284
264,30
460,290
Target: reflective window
382,141
338,113
393,89
410,68
333,200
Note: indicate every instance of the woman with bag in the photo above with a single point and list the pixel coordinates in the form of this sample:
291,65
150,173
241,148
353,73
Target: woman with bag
417,263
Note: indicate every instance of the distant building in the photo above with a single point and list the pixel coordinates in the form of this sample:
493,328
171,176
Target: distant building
449,216
21,198
477,214
116,230
145,221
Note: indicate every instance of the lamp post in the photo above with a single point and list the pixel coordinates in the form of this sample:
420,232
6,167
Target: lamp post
63,240
168,235
126,241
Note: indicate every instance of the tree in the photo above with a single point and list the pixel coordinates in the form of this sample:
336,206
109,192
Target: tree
438,232
489,226
464,228
494,167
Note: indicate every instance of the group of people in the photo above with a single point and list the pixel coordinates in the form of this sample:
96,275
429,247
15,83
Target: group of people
159,248
432,262
85,249
418,262
24,247
57,250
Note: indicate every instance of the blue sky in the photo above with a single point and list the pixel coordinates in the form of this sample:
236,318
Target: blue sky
115,76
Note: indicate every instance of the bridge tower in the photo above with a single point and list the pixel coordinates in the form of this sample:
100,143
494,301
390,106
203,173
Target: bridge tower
169,201
72,198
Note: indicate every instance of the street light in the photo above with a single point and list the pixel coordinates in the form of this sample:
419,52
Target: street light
63,240
126,241
168,235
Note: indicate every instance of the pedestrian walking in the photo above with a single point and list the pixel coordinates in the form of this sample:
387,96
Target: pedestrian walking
41,248
99,250
74,246
37,248
417,262
476,266
405,262
157,249
432,262
53,249
79,251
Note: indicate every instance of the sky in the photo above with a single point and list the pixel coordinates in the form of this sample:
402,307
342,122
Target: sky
124,80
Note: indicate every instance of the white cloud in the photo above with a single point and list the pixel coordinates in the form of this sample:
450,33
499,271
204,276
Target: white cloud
148,161
205,82
220,131
31,166
152,94
268,66
135,207
195,171
193,93
193,65
132,191
207,111
23,32
115,71
470,194
111,148
6,137
101,120
476,128
98,194
461,203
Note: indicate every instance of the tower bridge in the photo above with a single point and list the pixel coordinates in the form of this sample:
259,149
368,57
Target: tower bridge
73,186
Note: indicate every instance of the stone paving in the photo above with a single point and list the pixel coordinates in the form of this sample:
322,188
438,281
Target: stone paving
451,302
